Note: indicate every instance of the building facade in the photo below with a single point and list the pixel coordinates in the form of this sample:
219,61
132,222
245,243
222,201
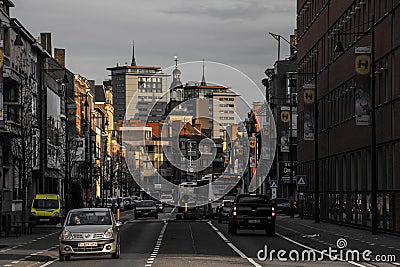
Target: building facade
348,60
136,89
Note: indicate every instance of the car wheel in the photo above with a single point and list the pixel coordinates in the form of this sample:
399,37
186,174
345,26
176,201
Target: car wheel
270,231
117,252
156,217
219,220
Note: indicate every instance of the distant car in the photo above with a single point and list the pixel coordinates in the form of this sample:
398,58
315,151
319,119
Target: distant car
146,208
46,209
135,199
167,199
224,209
128,203
89,231
282,205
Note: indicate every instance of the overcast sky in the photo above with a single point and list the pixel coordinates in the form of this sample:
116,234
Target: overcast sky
98,33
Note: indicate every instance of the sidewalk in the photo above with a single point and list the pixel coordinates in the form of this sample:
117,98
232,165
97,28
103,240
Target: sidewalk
328,233
38,233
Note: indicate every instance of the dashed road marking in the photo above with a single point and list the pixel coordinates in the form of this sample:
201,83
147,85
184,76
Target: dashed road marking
238,251
153,256
48,263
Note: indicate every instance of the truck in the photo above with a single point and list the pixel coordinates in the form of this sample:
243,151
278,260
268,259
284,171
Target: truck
253,212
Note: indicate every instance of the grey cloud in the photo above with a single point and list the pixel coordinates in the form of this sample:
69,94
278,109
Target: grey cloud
232,10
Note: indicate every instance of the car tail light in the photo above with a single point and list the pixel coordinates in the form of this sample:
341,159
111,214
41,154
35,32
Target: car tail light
273,212
294,203
234,211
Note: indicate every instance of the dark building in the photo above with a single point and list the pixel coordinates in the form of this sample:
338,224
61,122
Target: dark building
348,56
282,100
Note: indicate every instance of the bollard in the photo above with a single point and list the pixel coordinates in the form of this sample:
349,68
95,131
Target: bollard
186,207
118,213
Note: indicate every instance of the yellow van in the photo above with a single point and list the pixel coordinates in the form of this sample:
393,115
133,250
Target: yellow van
46,209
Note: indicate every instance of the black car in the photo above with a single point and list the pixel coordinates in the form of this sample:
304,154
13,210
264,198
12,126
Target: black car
224,209
282,205
252,212
146,208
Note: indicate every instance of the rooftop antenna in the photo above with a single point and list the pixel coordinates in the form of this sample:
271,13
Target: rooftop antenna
133,63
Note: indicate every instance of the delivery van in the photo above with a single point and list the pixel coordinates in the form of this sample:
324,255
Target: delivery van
46,209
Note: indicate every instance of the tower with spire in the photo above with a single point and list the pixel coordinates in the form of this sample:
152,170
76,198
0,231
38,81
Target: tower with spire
203,78
133,62
176,88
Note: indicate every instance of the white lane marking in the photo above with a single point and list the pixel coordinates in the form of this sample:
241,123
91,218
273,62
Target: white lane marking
396,263
48,263
15,262
7,265
238,251
172,211
153,256
313,249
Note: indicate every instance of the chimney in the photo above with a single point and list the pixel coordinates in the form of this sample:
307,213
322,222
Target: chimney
45,40
59,56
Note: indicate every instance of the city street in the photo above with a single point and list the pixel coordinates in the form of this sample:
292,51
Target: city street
167,242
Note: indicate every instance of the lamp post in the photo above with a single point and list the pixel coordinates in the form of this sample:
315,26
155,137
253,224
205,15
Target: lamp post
374,176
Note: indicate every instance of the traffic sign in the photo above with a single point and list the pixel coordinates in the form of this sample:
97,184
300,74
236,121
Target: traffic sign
301,180
273,183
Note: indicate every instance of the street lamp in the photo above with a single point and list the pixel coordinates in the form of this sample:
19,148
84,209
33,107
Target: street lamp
374,177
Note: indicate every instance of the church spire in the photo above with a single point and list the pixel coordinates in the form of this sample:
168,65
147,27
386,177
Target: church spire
133,63
203,79
176,87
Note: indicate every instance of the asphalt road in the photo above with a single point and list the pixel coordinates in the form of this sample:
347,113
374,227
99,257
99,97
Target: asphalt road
164,242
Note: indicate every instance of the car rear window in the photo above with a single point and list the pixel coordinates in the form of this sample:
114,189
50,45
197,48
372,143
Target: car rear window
148,203
228,204
253,199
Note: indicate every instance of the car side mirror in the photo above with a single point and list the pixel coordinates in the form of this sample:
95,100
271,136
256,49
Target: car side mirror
119,224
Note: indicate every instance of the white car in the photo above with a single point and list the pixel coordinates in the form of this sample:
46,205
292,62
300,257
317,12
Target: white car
167,199
89,231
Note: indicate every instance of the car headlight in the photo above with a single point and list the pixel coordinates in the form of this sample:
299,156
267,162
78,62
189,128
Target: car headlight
66,234
108,233
56,214
33,214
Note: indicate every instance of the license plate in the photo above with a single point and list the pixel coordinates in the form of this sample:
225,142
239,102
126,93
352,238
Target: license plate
87,244
269,217
44,220
254,221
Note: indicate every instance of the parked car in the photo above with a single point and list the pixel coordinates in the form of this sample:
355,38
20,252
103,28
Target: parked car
146,208
253,212
282,205
89,231
224,209
46,209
